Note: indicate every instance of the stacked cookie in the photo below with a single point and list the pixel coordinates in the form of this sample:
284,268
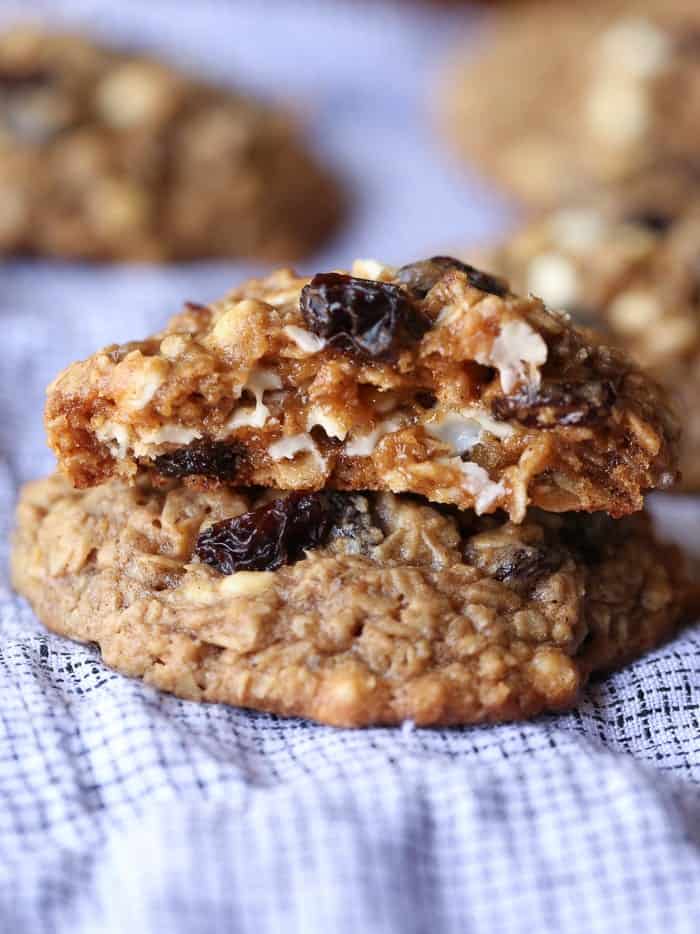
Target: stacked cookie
361,498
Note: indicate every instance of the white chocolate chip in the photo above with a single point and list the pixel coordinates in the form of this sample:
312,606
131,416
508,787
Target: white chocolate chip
517,353
492,425
134,94
460,431
331,425
637,46
618,112
258,383
288,448
554,279
248,416
364,445
168,434
477,482
460,434
577,229
116,436
305,340
633,311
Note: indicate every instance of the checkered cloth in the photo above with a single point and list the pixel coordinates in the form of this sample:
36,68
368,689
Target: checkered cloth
122,809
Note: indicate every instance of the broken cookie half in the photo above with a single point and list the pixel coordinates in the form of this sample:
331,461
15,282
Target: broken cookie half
350,609
432,378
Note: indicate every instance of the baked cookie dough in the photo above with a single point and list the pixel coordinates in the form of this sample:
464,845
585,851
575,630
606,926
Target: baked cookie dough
627,261
562,96
374,608
432,379
107,155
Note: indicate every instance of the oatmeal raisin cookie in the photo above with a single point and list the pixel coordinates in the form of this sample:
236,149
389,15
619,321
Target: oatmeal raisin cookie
432,379
108,155
373,608
562,96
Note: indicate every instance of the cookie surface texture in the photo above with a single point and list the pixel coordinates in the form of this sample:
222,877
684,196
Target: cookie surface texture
401,611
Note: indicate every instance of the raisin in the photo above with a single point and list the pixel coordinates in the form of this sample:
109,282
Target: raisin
592,537
567,403
216,459
688,41
425,399
368,318
653,221
356,520
27,80
521,567
421,276
28,124
274,534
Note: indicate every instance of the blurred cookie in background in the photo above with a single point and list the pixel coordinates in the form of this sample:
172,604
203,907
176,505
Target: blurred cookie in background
562,96
628,262
107,155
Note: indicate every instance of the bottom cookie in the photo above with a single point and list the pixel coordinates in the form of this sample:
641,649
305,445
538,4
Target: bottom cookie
400,610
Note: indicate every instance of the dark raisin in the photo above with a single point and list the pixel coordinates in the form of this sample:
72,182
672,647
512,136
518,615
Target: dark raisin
525,566
29,124
426,399
567,403
654,221
688,41
355,520
592,536
693,289
521,567
270,536
421,276
27,80
368,318
216,459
